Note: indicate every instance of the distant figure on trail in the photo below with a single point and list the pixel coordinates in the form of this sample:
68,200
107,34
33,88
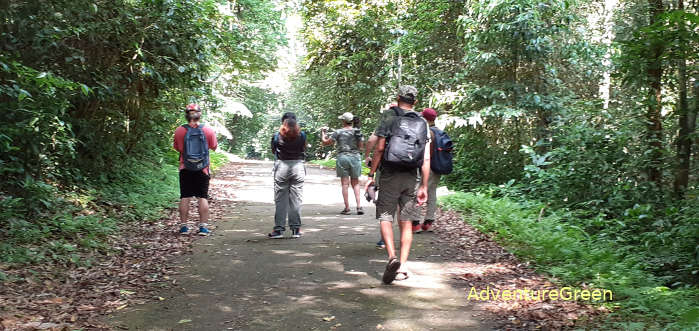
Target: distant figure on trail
289,147
402,154
193,140
348,165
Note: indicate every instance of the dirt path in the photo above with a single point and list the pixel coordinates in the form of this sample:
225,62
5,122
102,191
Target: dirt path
329,279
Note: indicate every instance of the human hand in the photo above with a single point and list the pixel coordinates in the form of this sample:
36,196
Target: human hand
369,182
421,195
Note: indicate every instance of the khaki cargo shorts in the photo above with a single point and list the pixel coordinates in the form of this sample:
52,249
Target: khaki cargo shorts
398,189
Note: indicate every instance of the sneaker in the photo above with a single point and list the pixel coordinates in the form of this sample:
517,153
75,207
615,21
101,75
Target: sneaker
427,226
417,228
360,211
203,231
275,235
380,244
184,230
295,233
345,212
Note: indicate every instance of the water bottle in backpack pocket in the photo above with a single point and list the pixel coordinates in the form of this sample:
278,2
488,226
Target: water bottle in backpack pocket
196,148
405,145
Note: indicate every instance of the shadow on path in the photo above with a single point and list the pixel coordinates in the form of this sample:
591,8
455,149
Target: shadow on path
329,279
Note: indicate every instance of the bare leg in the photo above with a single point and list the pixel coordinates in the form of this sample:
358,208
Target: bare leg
406,238
203,210
184,209
345,190
355,187
387,235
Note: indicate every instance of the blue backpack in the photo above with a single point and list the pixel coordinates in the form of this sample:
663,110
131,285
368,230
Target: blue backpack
441,157
196,148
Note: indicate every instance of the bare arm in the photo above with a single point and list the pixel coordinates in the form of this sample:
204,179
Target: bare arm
325,139
425,169
371,142
378,154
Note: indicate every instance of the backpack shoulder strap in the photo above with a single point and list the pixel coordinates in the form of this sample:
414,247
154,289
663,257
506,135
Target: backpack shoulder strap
398,111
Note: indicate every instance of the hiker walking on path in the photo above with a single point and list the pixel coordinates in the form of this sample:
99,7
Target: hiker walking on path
405,168
193,141
443,166
348,165
288,147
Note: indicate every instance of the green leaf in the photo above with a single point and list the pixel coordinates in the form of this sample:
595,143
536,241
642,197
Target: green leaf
23,94
691,316
85,89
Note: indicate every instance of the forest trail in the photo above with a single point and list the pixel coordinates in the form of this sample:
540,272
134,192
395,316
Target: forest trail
237,279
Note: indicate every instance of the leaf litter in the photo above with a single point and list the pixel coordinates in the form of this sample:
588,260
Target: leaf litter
60,296
483,263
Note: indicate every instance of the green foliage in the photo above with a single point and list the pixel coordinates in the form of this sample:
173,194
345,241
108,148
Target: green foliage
569,253
93,91
82,220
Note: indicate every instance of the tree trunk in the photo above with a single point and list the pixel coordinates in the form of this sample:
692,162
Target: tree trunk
607,37
653,116
684,141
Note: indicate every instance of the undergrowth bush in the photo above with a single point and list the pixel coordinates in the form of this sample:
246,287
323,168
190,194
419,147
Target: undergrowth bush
566,251
58,224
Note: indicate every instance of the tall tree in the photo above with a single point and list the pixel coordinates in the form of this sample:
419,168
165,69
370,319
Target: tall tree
687,116
654,72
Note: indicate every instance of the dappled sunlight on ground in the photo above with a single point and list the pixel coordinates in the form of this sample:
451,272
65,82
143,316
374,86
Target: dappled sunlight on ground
330,278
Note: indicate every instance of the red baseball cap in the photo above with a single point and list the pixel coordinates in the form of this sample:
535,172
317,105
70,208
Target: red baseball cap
192,106
429,114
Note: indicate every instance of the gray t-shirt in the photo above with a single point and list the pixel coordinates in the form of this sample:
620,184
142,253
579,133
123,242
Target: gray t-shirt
347,140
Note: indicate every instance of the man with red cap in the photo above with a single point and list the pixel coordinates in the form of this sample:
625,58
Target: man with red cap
429,115
193,140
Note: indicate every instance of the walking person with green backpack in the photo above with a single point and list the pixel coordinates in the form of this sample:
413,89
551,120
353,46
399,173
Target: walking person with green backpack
405,168
194,140
349,142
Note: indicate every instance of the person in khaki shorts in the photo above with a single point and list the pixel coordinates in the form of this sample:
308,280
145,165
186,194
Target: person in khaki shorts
402,189
349,142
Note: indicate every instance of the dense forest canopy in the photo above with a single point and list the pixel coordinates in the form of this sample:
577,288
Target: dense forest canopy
585,108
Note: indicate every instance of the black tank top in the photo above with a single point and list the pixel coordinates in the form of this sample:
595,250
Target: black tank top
289,150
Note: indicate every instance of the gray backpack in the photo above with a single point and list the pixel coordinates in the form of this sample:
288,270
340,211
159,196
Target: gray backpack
405,145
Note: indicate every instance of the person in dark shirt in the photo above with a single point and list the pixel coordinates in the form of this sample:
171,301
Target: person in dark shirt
288,146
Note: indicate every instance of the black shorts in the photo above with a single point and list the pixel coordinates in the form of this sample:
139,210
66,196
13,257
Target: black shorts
194,184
